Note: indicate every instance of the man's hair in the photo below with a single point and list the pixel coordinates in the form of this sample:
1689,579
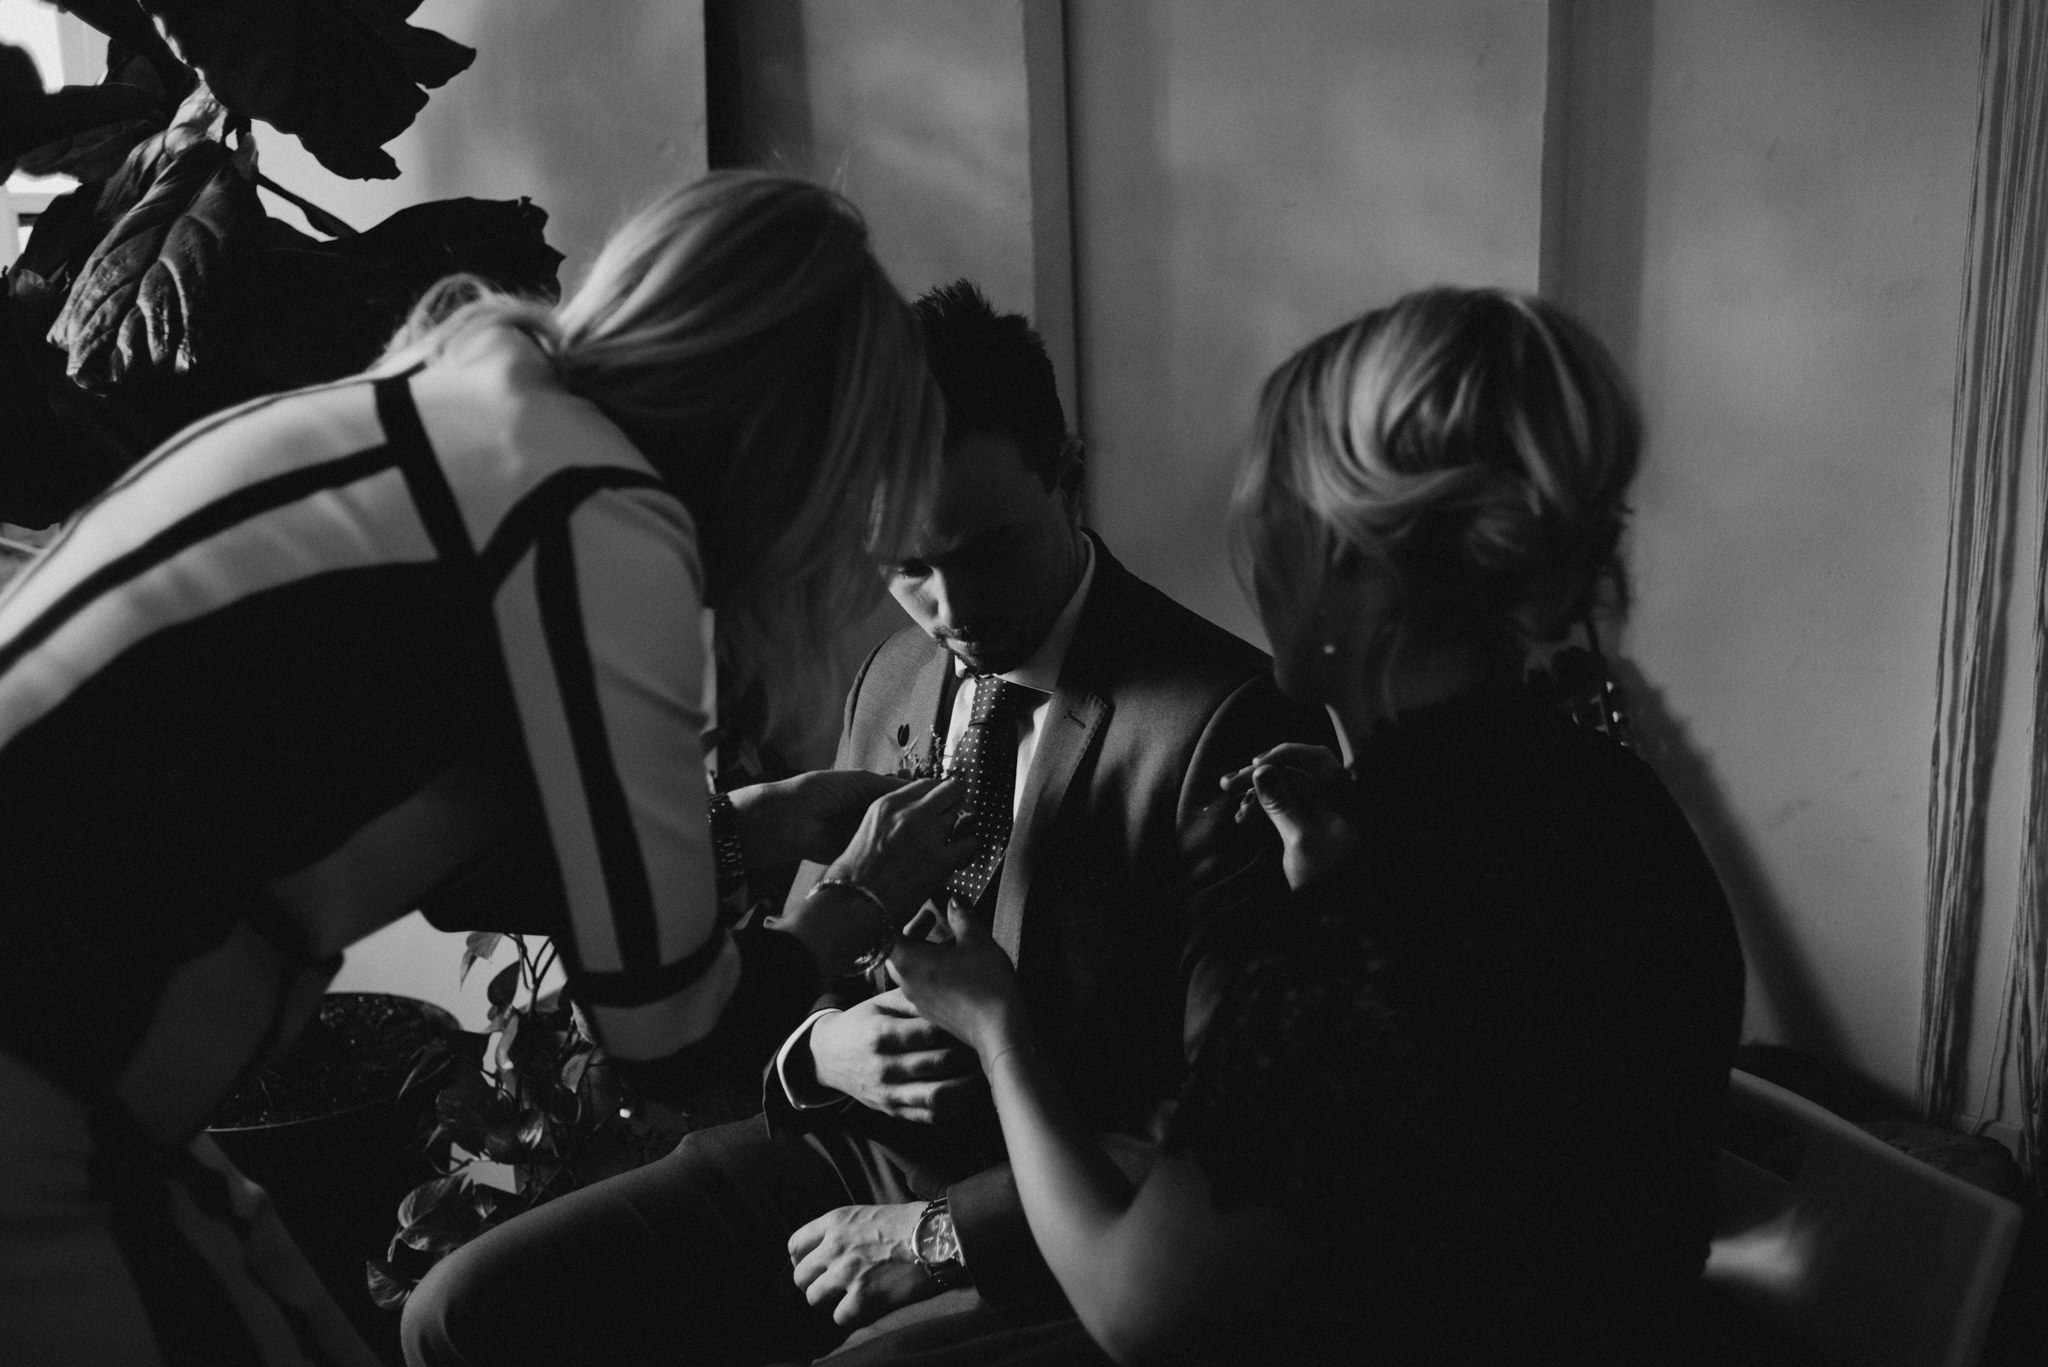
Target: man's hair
995,375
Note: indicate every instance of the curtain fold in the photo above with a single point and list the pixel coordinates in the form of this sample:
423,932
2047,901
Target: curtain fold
1998,383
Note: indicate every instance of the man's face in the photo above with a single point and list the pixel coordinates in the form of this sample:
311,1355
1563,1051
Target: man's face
993,562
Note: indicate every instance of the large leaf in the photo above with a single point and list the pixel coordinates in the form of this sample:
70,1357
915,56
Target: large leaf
142,303
65,235
501,240
58,444
60,117
127,25
342,75
95,152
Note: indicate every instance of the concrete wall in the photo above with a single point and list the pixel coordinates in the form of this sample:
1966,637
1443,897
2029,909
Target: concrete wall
1765,205
1246,176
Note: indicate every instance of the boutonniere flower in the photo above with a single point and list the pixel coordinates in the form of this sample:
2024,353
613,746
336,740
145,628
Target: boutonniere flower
910,763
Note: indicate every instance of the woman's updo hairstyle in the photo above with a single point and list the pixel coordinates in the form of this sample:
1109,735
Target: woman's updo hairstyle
740,330
1473,444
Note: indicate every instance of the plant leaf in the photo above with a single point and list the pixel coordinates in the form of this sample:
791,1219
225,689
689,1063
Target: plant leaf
501,240
467,1108
506,1038
125,22
574,1068
429,1063
91,156
344,76
32,118
388,1291
63,241
480,945
424,1199
503,986
141,304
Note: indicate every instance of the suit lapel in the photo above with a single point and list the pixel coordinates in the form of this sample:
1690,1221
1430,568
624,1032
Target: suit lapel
1071,723
920,717
1079,708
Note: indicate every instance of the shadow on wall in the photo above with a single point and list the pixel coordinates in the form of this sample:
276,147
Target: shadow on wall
1596,180
756,85
1777,964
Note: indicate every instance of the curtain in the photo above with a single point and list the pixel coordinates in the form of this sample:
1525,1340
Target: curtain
1999,373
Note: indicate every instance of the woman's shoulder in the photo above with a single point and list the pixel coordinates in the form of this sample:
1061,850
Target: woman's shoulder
495,395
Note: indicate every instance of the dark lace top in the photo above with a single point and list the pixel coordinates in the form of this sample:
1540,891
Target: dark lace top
1479,1064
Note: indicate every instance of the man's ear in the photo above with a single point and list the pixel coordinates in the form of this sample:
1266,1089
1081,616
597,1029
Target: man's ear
1067,472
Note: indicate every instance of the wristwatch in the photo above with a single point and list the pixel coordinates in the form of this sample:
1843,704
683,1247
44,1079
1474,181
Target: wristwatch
936,1245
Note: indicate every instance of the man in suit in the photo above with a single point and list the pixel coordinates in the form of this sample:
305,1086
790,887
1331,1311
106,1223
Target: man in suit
1093,718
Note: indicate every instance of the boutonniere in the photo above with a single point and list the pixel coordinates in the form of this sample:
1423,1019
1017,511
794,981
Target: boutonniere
910,763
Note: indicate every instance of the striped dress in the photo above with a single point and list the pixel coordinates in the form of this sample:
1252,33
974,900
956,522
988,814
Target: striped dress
312,664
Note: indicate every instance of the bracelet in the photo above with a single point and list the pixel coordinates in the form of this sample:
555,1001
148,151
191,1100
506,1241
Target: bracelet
880,949
990,1069
729,854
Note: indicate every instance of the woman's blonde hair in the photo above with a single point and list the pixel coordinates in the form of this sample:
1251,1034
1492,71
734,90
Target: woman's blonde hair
1475,445
741,332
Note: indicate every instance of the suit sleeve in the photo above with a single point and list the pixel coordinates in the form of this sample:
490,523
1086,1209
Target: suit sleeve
777,1106
1230,872
600,625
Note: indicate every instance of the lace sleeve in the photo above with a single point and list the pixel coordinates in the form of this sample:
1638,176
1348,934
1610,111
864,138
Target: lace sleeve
1305,1050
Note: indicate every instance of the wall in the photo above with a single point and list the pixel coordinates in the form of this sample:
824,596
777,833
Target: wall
1247,176
587,109
1764,207
944,122
1761,204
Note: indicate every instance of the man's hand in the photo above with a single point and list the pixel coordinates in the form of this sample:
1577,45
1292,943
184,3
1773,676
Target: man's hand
810,816
890,1059
859,1261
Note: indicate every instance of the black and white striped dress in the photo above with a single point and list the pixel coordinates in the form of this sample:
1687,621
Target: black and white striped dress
311,661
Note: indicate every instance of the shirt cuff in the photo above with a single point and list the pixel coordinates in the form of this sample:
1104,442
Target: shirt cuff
800,1085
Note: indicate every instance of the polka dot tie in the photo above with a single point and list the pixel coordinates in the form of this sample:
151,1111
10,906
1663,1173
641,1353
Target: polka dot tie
987,760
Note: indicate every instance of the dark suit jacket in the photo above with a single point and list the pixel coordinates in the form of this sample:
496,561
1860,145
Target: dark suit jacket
1122,875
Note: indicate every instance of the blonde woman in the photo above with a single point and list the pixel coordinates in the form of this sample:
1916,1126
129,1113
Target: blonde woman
407,639
1461,1106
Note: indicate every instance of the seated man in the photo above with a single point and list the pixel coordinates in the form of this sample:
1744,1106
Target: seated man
1094,718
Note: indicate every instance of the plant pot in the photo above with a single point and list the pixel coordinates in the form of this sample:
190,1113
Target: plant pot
328,1135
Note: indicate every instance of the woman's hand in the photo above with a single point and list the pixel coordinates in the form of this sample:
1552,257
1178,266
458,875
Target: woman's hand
906,844
967,988
1286,783
810,816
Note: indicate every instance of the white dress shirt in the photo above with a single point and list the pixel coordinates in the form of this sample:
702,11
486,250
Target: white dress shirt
1041,673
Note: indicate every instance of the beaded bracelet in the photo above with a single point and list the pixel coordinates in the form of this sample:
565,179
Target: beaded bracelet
880,949
727,851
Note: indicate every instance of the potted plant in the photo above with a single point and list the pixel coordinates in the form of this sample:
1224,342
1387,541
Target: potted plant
526,1111
332,1131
